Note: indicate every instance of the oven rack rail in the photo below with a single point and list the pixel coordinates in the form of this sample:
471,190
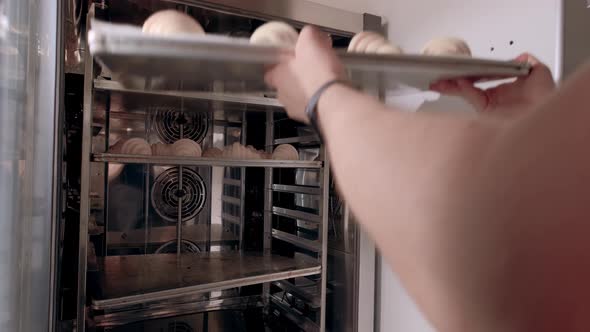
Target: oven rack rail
173,309
153,98
190,161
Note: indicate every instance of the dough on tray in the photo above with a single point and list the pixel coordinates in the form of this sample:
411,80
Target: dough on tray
447,47
170,22
285,152
238,151
136,145
275,33
186,148
212,153
372,43
161,149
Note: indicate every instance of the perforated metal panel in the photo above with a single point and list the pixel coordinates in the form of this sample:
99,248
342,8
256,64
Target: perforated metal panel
166,193
168,123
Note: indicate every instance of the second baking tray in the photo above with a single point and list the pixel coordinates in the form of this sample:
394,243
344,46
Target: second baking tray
220,63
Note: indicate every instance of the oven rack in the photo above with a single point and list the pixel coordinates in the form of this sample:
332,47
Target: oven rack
130,280
190,161
150,99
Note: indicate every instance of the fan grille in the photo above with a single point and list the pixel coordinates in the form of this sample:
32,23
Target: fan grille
166,193
171,247
167,125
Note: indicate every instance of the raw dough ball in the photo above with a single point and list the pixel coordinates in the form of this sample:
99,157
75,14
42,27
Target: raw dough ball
275,33
161,149
285,152
238,151
170,22
447,47
213,153
186,148
137,146
389,49
372,42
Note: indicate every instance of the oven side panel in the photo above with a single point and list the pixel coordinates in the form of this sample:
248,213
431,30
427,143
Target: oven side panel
29,92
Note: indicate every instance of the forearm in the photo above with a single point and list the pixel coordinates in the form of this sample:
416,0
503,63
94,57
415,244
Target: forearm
484,222
405,176
418,161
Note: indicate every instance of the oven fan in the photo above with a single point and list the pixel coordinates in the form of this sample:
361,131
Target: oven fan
186,247
166,194
167,125
179,327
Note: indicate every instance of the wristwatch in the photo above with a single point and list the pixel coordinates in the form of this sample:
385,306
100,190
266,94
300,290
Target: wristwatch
312,106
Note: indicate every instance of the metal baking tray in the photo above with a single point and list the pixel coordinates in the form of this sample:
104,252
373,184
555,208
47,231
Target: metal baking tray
130,280
221,63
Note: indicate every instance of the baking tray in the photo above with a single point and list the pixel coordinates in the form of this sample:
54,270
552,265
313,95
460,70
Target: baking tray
221,63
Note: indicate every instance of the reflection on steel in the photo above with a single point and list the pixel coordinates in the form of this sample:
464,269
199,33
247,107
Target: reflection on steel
312,299
189,161
301,321
130,280
296,189
299,139
296,240
172,310
296,214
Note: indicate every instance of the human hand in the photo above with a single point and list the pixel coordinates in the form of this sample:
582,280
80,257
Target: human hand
298,78
508,98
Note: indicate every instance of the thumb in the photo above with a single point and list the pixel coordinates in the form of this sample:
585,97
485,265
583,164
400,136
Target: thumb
465,89
313,36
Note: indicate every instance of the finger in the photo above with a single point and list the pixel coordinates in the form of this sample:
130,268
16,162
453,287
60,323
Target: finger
528,58
311,35
473,95
273,76
465,89
538,67
269,76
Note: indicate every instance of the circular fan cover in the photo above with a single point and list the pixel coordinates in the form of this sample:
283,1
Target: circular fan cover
186,247
179,327
168,122
166,193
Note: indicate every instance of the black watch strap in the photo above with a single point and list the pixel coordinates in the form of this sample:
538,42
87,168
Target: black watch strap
312,106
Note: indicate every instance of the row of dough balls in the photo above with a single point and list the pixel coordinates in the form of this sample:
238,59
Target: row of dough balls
373,43
281,34
171,22
182,148
139,146
239,151
189,148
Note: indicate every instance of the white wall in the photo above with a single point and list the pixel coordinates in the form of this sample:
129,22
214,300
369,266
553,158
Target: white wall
356,6
532,25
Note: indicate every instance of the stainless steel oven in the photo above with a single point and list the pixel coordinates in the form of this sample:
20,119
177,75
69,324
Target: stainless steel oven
159,243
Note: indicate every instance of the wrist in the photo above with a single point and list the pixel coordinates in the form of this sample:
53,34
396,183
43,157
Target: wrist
324,111
313,103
